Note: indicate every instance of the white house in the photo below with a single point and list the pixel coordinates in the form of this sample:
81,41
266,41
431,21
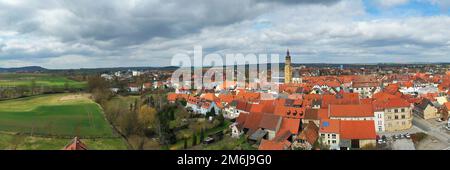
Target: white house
379,121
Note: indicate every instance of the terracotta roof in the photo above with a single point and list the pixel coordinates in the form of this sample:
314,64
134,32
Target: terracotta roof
172,96
385,96
391,103
346,98
291,125
273,145
312,114
310,133
256,108
227,98
351,110
208,96
252,122
323,114
357,130
270,121
268,106
365,84
329,126
291,112
447,105
240,120
243,105
75,144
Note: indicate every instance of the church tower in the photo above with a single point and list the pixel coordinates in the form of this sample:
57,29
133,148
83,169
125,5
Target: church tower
287,69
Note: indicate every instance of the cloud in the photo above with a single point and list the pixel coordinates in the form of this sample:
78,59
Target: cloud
112,33
390,3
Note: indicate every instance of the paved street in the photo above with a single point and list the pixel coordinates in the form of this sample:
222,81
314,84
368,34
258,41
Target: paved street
436,131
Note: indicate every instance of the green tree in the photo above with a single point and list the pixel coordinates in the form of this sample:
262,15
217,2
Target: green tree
185,143
194,139
221,119
202,135
211,113
172,114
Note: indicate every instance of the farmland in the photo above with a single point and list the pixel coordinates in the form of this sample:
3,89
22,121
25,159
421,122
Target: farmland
47,121
38,80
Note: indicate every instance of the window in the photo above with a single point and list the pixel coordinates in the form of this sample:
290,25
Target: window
323,135
396,110
380,128
403,110
396,117
334,142
334,136
389,117
403,123
403,116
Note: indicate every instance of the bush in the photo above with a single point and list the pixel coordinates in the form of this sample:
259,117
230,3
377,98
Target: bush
417,137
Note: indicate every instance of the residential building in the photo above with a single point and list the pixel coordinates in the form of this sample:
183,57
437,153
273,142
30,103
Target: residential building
426,110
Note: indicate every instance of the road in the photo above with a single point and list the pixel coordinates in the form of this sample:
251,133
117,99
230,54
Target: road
436,131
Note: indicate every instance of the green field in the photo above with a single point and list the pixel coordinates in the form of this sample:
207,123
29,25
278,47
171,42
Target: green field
16,79
51,119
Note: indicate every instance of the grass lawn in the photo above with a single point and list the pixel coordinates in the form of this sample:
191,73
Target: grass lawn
227,143
180,143
20,142
16,79
60,114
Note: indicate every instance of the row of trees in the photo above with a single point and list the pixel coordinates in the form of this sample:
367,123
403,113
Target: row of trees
9,92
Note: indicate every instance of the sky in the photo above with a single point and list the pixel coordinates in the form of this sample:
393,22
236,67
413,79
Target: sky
63,34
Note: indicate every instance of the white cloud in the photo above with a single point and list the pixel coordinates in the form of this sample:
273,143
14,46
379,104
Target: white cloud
129,34
391,3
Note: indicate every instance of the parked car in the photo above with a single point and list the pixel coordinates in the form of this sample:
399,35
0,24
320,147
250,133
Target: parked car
395,137
402,136
408,136
380,141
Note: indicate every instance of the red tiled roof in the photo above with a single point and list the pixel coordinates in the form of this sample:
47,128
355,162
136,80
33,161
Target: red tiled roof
392,103
323,114
243,105
291,125
310,133
172,96
270,121
227,98
252,121
386,96
351,110
357,130
256,108
447,105
241,119
75,144
268,106
329,126
312,114
292,112
347,98
273,145
209,96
